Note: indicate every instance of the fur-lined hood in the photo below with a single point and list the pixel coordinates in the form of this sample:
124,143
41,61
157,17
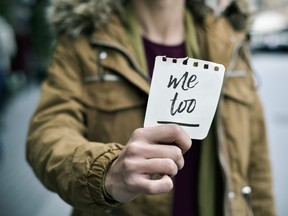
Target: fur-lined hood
74,17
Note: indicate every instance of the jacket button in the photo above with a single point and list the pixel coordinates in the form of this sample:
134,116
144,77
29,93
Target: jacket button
102,55
246,191
231,195
108,211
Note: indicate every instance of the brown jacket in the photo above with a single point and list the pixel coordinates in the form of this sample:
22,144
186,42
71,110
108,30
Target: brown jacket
95,96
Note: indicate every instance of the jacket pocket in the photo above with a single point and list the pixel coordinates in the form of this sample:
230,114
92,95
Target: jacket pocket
115,108
239,98
239,87
111,92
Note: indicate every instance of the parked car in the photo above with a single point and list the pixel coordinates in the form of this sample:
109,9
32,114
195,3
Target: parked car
269,30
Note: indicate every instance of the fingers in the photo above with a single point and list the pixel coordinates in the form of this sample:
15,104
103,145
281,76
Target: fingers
162,166
172,152
148,186
164,134
139,176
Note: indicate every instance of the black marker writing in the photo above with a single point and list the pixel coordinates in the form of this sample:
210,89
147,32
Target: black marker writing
178,123
187,82
188,105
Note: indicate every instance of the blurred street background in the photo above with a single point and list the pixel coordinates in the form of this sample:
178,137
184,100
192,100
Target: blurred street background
25,44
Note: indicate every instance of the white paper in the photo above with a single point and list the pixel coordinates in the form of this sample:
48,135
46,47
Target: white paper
184,91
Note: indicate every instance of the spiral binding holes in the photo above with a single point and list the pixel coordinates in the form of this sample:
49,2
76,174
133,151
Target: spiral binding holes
174,60
185,62
195,64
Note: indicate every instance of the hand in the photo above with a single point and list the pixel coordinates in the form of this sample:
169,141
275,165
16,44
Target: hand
150,151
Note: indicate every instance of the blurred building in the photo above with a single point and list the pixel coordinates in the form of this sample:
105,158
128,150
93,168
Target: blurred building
263,5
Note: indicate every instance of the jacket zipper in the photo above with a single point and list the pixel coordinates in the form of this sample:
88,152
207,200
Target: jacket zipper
126,54
224,165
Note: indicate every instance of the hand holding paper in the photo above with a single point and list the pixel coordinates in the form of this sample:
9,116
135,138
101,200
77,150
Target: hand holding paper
150,151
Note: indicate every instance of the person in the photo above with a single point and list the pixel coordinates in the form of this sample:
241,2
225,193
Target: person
86,139
8,49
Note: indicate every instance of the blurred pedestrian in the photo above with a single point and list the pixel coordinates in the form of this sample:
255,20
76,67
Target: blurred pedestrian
7,51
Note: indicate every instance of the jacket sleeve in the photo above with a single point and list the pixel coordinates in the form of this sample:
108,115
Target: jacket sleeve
57,150
259,173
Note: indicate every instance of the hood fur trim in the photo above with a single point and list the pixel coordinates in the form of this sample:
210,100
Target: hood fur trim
75,17
239,13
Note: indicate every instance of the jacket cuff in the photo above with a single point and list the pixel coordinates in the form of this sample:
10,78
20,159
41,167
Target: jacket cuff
96,178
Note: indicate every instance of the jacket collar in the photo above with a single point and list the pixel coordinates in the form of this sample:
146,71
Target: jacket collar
75,17
113,37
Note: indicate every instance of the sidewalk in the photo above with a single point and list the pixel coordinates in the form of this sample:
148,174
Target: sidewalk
21,192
